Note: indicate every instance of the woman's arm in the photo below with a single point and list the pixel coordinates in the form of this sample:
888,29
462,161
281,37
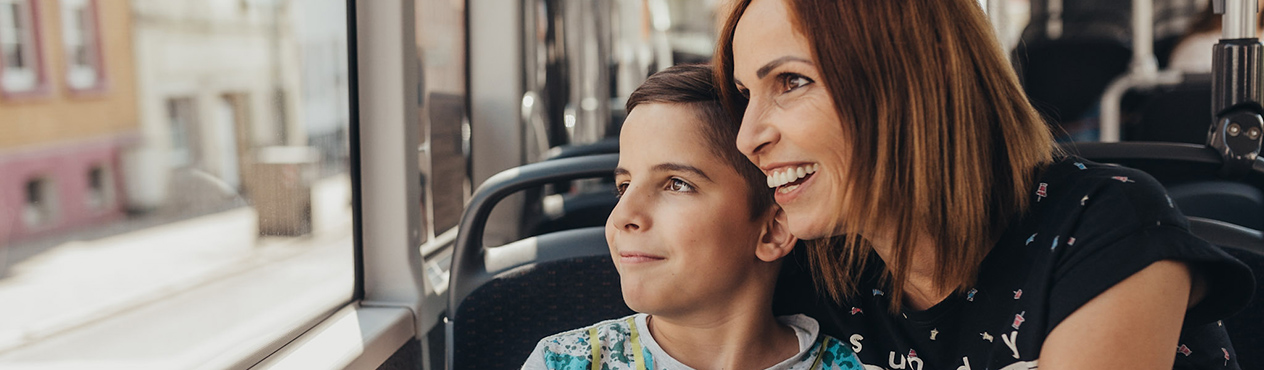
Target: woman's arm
1133,325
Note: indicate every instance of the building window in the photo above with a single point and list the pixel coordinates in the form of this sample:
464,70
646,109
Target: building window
100,188
19,48
40,203
80,35
182,124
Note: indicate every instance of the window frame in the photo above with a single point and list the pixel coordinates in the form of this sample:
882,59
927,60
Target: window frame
95,80
99,199
46,213
394,301
181,116
35,42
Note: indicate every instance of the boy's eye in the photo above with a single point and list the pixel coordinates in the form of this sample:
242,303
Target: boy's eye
678,185
793,81
620,189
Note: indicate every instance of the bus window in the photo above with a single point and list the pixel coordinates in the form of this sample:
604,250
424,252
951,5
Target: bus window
176,189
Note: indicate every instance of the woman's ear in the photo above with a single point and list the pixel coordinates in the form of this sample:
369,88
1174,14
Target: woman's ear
775,241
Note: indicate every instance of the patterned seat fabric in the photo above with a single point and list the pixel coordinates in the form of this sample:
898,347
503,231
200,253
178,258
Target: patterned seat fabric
499,324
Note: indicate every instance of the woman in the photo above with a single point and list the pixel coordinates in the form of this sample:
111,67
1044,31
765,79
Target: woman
950,232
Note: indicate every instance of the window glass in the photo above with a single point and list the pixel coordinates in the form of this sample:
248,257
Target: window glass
18,46
79,34
180,120
193,210
445,125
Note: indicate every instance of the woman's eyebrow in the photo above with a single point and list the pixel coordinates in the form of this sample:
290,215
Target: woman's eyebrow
621,171
682,168
763,71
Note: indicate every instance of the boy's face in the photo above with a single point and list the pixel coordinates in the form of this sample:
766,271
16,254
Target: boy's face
681,235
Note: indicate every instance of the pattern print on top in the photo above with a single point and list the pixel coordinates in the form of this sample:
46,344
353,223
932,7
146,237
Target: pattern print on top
1022,292
618,339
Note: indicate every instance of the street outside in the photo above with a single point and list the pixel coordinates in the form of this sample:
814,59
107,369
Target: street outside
179,295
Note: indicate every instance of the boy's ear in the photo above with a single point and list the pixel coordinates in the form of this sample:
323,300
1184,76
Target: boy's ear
775,240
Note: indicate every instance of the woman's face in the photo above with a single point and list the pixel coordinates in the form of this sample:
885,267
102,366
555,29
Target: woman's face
790,128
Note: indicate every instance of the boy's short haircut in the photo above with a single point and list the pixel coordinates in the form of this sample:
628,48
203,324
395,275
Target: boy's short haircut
693,85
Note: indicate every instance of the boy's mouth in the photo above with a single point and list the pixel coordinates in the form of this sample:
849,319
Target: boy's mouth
637,257
788,179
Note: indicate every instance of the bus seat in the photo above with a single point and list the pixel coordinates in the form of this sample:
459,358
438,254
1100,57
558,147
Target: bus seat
1233,202
565,206
1246,326
503,300
1065,78
1178,114
536,287
588,208
603,146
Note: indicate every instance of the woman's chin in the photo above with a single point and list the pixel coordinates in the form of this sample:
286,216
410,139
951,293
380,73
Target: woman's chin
807,229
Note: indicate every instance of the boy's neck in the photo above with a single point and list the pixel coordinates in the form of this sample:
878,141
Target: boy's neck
732,339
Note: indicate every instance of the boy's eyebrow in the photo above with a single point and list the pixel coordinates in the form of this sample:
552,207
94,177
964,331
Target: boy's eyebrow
666,167
682,168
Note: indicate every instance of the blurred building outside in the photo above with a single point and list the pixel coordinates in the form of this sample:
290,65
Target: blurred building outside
129,159
218,83
68,110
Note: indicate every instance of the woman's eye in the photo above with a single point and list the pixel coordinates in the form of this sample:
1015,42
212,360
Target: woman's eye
679,185
744,92
620,189
791,82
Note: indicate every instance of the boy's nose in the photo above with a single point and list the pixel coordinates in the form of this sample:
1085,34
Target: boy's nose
628,215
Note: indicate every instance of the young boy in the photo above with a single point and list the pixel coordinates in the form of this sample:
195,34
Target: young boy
697,240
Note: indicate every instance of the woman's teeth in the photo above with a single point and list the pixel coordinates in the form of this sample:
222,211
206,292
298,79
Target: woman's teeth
786,176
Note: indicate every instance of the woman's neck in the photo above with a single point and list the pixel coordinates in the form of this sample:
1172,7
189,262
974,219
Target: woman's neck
921,290
734,339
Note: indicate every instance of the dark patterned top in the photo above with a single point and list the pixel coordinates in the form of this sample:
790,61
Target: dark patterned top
1090,226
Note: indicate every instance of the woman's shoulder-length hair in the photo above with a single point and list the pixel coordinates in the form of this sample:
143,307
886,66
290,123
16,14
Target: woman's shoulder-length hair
942,139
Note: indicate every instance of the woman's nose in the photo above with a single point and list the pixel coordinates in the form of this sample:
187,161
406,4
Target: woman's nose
756,134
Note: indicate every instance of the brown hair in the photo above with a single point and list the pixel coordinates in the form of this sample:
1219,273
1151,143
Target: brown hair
692,85
945,142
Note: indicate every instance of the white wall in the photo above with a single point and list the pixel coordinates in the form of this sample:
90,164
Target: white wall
203,50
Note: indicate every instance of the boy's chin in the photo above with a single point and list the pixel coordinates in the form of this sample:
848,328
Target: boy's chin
643,300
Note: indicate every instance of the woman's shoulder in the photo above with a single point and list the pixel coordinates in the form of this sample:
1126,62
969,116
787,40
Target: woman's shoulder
1074,191
1098,224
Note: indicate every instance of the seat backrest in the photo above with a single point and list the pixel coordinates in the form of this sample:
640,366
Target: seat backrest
564,206
1065,78
502,300
543,285
1178,114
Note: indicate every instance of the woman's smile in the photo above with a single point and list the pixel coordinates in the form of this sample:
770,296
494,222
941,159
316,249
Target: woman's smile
791,180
